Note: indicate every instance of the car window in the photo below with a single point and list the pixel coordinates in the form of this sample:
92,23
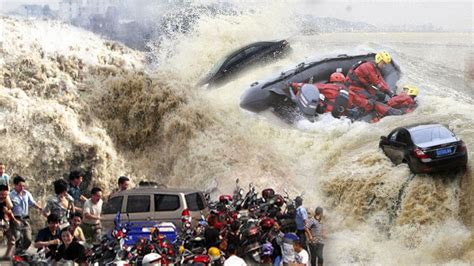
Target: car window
138,203
235,60
430,134
255,49
393,137
165,202
403,136
195,201
113,206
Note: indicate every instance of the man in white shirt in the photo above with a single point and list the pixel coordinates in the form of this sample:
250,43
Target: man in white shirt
91,213
301,256
233,259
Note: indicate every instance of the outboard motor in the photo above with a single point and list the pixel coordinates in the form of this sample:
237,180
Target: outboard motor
307,99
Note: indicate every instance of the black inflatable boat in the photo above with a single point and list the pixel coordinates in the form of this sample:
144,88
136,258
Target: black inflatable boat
273,92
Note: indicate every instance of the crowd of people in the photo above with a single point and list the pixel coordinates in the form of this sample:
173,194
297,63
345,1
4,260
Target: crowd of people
363,91
72,219
73,223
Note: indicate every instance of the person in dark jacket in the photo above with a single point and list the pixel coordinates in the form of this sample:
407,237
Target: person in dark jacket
70,249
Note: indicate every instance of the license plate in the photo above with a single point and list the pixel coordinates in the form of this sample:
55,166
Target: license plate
442,152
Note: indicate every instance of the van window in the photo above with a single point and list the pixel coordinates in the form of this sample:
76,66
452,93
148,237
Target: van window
138,203
195,202
113,206
165,202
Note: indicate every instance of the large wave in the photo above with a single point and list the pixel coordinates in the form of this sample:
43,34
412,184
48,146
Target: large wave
79,102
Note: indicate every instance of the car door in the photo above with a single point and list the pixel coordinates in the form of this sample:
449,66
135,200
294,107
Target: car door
138,208
387,146
167,208
400,145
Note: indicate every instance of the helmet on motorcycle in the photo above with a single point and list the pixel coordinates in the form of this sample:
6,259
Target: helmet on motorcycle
267,249
225,199
151,259
214,253
279,200
383,56
267,223
268,193
411,90
337,77
307,99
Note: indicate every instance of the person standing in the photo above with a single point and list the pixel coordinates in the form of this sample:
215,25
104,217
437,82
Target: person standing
233,259
300,219
22,200
123,184
7,218
316,235
74,190
4,178
61,204
91,213
301,255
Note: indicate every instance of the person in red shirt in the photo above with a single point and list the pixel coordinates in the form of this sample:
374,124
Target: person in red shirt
336,98
365,78
406,100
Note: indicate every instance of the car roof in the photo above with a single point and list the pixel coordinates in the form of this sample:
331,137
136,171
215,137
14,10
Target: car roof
239,50
151,189
416,127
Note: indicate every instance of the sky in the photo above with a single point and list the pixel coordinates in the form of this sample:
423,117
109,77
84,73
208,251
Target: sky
455,15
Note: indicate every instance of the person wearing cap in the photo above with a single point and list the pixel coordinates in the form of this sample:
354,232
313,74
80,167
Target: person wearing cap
300,219
316,235
365,77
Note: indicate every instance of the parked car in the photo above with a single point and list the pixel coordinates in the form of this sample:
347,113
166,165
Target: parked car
243,57
154,204
425,148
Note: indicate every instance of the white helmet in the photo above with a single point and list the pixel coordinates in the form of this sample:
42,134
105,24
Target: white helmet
151,259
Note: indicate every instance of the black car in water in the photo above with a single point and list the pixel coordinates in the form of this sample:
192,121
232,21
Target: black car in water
243,57
425,148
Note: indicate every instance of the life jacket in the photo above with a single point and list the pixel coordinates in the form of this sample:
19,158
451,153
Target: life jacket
369,78
351,78
328,94
402,100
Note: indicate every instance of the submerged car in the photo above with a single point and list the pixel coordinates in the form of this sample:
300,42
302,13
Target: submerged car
425,148
244,57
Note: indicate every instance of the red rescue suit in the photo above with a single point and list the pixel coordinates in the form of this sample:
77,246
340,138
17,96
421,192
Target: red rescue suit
330,91
403,102
363,75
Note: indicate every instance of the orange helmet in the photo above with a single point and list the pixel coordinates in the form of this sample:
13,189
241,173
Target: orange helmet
337,77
